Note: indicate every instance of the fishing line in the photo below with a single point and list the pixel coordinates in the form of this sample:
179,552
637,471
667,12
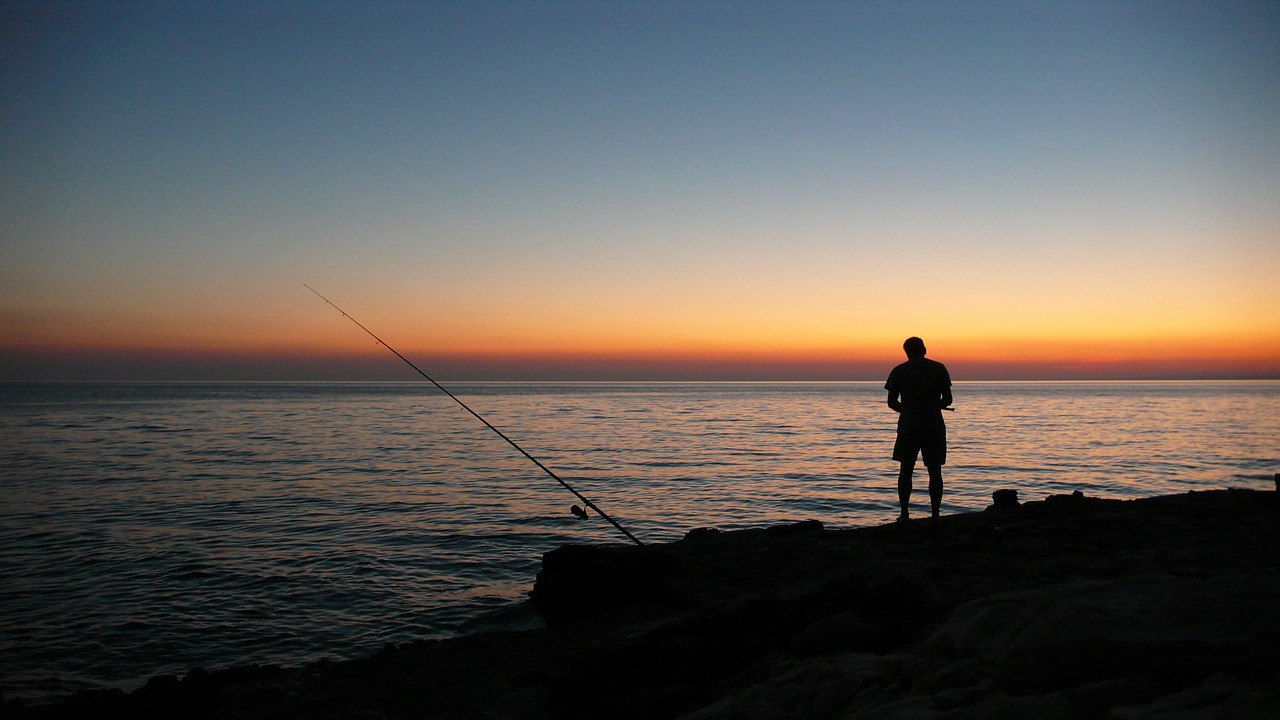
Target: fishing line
487,424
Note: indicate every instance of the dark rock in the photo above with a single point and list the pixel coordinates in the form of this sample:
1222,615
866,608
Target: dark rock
15,708
803,526
846,632
673,665
1004,500
898,595
90,704
579,581
1055,637
160,685
701,532
1074,498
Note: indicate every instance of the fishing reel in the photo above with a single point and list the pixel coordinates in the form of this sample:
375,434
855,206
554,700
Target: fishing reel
578,512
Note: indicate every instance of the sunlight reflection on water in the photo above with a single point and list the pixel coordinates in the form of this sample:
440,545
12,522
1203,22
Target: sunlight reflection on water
152,528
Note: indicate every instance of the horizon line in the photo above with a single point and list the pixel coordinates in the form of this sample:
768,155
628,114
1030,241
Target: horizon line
95,365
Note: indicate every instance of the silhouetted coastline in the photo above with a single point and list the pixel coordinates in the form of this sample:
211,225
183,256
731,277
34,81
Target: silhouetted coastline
1066,607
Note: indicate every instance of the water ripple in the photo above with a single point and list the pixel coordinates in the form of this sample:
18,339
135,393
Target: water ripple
152,528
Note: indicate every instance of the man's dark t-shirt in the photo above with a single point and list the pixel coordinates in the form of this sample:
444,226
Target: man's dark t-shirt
921,384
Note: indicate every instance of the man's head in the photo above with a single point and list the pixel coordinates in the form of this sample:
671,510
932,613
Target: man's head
913,347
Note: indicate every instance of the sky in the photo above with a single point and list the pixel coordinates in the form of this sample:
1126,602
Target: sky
663,190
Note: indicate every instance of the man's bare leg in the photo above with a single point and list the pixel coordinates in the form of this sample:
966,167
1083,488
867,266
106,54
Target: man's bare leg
935,488
904,488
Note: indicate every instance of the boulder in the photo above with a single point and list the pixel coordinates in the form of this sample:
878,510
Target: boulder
1004,500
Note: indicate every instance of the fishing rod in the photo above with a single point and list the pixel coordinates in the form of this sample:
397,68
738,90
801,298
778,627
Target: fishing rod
512,443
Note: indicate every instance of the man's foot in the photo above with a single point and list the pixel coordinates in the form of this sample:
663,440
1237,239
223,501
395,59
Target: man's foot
902,519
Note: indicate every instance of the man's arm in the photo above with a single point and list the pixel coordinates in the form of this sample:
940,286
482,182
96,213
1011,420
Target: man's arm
946,387
894,386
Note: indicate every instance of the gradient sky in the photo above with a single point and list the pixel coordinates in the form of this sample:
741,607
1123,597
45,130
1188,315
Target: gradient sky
590,190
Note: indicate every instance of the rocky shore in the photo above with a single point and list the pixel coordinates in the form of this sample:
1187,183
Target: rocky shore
1068,607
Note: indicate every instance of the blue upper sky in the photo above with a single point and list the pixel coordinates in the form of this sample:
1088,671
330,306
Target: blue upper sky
587,175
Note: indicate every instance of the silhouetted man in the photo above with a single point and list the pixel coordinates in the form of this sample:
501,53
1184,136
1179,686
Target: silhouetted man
918,390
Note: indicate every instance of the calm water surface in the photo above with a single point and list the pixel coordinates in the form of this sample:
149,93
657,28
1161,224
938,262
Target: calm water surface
151,528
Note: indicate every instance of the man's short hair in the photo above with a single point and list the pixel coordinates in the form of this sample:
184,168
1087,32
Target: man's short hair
913,347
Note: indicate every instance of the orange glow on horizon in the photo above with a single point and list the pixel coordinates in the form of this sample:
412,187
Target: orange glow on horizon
968,360
316,341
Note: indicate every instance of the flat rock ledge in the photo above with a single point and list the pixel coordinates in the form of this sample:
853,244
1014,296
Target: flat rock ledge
1069,607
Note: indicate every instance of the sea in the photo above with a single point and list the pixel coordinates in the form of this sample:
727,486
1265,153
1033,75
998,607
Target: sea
152,528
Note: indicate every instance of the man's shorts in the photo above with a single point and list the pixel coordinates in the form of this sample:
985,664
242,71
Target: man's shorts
930,443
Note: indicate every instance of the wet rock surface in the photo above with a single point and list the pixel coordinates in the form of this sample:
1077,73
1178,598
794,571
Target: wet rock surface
1069,607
